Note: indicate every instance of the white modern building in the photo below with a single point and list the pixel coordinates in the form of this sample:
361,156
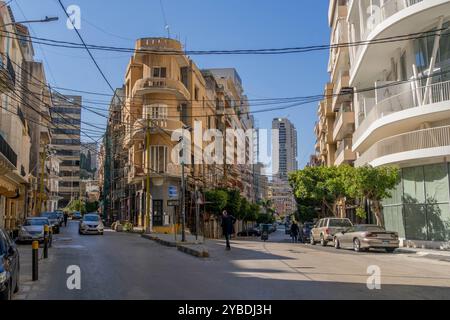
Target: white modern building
405,119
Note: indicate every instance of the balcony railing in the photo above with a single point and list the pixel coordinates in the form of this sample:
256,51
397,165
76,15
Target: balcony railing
6,68
8,152
158,84
412,98
410,141
379,14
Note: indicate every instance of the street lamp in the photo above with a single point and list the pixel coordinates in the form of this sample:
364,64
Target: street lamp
46,19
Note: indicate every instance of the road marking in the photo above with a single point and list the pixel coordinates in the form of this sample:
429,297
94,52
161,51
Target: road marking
69,246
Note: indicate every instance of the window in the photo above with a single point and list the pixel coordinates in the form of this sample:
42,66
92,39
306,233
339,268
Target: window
158,159
159,72
196,93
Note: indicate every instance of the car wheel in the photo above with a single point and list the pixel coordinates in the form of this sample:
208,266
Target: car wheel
323,243
337,244
390,250
356,245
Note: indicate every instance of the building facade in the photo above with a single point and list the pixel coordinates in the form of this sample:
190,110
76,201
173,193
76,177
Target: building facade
15,136
66,120
399,111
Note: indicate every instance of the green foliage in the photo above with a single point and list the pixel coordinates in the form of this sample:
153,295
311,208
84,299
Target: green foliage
361,213
76,205
218,200
234,202
265,219
92,206
323,185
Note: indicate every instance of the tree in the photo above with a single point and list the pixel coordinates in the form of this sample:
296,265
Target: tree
233,205
217,201
76,205
92,206
373,184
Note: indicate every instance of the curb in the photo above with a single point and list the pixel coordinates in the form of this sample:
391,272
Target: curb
193,252
203,253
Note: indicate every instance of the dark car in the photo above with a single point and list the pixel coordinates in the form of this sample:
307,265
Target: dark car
60,215
305,231
9,266
76,215
54,221
252,232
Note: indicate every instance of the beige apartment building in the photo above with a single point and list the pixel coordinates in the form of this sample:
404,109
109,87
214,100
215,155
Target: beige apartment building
15,138
170,100
336,123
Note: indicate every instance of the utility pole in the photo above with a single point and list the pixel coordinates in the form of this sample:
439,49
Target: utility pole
147,223
197,211
183,191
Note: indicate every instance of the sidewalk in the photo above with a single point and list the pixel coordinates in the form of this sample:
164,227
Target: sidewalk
194,247
440,255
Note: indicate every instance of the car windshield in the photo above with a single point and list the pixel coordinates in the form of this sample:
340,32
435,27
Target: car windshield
340,223
91,218
35,222
50,215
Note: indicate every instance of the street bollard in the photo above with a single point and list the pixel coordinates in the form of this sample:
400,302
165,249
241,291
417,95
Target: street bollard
46,236
50,237
35,260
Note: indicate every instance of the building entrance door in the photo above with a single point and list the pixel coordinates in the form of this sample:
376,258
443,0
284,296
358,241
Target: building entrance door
158,213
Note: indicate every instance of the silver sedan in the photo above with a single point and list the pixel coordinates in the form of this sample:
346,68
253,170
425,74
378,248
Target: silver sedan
364,236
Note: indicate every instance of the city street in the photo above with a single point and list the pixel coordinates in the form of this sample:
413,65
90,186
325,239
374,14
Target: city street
126,266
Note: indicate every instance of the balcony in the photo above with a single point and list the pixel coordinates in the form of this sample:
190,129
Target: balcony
138,173
409,107
410,146
161,85
344,153
8,157
344,124
338,50
7,73
342,90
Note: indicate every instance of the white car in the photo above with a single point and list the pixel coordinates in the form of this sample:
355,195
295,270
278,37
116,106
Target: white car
91,224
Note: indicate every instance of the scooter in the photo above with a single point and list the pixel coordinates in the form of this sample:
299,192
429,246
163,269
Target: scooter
265,235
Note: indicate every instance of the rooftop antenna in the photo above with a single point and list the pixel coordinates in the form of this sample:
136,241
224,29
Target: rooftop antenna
166,25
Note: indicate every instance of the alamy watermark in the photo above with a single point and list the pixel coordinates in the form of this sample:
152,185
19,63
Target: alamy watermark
74,280
74,19
374,280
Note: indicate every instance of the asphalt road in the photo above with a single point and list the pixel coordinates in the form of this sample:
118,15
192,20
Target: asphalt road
126,266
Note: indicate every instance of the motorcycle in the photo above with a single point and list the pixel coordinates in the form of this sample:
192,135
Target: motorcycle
265,232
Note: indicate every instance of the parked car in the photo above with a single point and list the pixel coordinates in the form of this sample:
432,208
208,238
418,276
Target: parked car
54,221
91,224
33,229
252,232
365,236
326,228
76,215
60,215
305,231
9,266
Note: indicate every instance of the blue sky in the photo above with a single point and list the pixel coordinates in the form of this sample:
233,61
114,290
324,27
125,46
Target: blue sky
202,25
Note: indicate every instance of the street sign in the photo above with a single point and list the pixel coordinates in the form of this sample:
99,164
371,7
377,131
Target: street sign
173,192
173,203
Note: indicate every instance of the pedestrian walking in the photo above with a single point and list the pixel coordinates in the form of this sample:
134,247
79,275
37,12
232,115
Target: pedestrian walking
294,231
66,217
227,227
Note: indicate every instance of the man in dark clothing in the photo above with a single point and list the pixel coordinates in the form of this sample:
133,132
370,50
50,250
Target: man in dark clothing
227,227
294,231
66,216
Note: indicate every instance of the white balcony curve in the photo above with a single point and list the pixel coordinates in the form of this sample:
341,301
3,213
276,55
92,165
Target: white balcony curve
403,112
410,147
408,16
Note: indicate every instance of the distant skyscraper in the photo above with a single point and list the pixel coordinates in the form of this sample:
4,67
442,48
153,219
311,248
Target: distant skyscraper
288,147
66,119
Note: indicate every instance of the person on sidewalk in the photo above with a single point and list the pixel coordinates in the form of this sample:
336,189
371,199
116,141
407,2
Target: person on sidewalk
227,227
294,231
66,217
